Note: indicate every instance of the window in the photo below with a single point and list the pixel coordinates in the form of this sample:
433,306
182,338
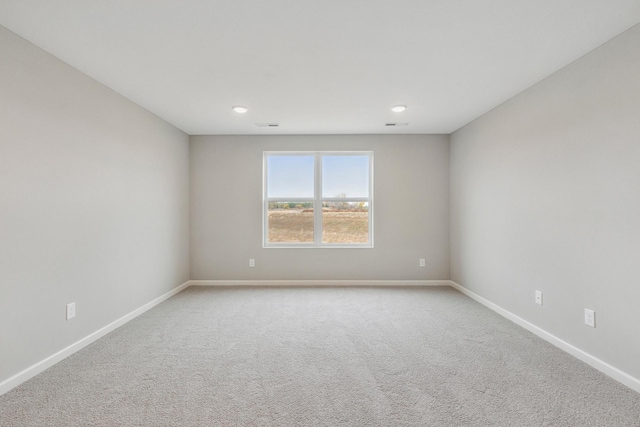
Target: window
318,199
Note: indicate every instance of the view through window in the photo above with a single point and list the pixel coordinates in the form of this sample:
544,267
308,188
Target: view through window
318,199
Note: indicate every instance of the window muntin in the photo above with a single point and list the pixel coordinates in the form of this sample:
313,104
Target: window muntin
337,213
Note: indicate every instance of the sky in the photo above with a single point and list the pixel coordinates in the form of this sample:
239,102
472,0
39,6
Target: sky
291,176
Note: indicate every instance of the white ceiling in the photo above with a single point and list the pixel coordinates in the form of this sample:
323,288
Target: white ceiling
318,66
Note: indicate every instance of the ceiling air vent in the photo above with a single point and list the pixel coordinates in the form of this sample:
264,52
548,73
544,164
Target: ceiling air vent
267,125
395,124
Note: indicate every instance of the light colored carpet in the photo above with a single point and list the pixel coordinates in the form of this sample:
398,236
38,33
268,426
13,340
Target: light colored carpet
320,357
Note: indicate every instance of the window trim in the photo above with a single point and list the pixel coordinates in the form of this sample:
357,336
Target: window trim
317,200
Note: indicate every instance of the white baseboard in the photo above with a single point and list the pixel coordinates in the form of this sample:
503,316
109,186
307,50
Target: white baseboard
319,283
593,361
35,369
615,373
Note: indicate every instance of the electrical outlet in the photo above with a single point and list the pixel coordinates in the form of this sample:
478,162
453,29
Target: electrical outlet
589,317
71,310
539,297
423,262
252,262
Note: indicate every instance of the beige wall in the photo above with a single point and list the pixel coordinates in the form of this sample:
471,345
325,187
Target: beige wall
93,205
545,194
411,218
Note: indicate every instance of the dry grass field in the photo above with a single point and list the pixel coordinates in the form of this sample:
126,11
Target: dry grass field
296,226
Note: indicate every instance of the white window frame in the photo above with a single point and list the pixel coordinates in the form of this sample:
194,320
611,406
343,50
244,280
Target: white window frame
317,200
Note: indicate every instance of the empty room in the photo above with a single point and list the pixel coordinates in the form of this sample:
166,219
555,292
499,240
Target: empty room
329,213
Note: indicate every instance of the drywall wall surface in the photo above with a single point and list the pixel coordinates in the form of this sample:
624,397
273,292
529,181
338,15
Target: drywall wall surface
545,195
411,213
93,205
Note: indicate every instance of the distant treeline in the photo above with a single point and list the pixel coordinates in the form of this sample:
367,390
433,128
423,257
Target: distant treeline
351,206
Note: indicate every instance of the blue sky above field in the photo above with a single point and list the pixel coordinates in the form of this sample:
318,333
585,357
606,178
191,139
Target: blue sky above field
292,176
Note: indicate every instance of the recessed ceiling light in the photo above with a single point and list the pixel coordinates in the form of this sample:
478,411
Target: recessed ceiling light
240,109
398,108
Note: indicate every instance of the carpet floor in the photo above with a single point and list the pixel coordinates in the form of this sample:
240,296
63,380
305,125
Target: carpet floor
336,356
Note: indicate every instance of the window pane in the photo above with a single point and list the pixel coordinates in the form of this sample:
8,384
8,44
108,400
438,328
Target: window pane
290,222
290,176
345,222
345,176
